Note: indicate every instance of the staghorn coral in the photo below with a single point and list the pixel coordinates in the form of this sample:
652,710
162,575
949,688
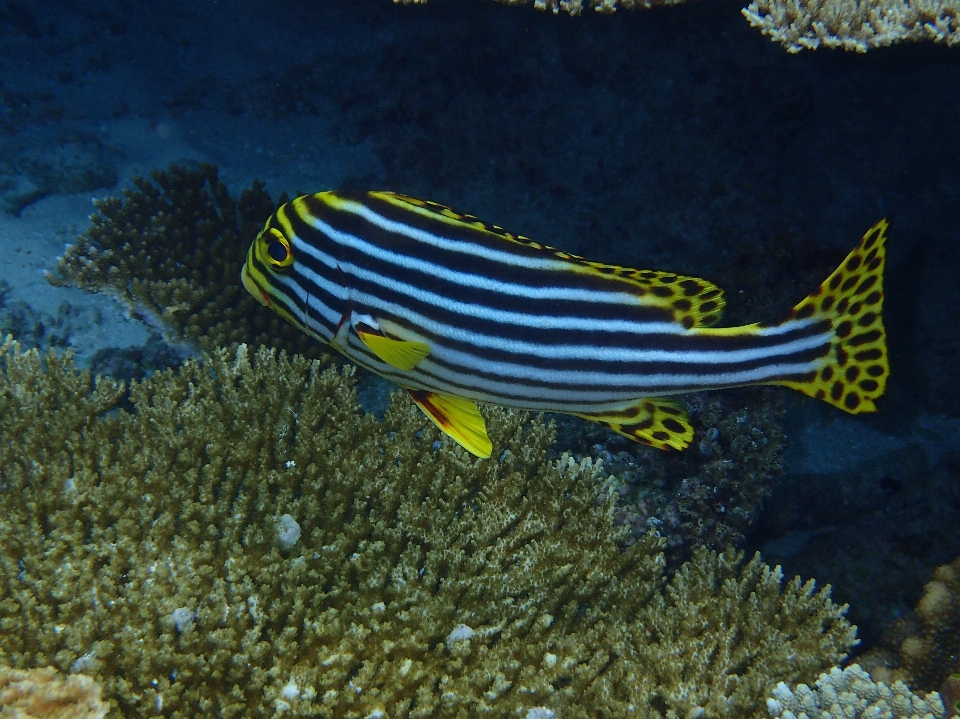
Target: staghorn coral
171,250
858,25
850,694
44,694
147,538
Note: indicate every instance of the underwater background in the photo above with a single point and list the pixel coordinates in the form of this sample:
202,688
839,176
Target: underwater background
675,139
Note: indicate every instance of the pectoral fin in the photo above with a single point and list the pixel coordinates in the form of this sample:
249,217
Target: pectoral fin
401,354
657,422
457,417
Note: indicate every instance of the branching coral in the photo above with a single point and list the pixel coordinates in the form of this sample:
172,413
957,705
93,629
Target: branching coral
575,7
854,24
808,24
148,539
172,249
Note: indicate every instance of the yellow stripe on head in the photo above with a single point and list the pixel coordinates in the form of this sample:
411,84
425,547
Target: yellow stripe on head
270,255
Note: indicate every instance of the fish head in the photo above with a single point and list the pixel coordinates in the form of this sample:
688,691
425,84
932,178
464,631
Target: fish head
270,275
270,256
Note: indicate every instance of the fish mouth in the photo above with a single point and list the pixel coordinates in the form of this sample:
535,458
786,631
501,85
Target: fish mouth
251,286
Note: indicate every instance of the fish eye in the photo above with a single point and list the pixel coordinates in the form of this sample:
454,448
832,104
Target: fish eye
277,252
278,248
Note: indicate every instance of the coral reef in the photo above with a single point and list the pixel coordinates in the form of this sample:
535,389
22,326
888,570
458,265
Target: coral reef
924,650
850,694
171,250
575,7
708,496
854,25
801,25
44,694
237,539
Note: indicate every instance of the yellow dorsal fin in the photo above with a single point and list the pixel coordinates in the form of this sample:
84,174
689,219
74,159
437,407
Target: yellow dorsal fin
657,422
854,373
456,417
692,301
402,354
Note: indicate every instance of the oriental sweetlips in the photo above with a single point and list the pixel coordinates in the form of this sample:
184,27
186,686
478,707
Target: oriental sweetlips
457,312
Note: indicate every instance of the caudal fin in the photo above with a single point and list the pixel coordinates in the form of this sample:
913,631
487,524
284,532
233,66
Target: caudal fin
855,371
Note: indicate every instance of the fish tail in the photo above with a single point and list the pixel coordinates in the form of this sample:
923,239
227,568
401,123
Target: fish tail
854,372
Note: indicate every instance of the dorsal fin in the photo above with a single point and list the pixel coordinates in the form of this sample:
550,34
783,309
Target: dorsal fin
694,302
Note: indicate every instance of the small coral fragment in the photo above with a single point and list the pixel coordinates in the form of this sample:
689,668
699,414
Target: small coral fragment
46,694
288,531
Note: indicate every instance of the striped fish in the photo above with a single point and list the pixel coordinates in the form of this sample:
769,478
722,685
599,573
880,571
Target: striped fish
458,312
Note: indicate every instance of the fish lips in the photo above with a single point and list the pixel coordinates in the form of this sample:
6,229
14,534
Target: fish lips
251,286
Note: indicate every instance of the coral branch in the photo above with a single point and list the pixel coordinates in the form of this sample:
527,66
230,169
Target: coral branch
237,539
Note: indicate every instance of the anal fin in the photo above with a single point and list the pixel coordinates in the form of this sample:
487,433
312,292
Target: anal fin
456,417
657,422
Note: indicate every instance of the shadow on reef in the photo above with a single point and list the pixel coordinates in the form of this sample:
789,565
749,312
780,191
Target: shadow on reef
709,495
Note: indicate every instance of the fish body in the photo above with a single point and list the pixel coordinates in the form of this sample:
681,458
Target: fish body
458,312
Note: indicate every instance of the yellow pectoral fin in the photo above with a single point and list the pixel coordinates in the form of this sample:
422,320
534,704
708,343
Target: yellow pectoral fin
401,354
657,422
457,417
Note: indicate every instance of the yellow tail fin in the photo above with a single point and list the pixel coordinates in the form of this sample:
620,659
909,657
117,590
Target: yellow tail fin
856,370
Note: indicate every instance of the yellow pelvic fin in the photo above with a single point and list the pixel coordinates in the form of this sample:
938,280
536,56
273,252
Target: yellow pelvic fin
457,417
691,301
402,354
855,371
657,422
